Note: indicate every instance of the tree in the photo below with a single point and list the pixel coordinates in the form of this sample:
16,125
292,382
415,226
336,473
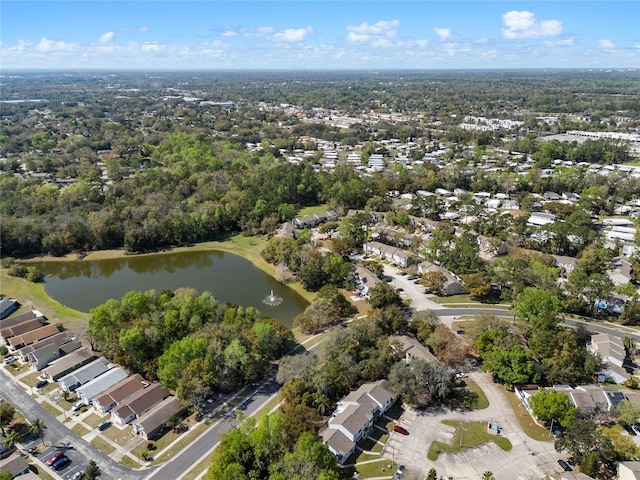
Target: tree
383,295
548,405
432,475
434,281
7,412
488,476
512,365
37,427
538,307
420,382
585,443
11,439
173,363
92,471
627,412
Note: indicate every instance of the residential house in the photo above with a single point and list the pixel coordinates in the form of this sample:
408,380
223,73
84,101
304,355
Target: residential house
314,219
7,307
15,466
152,422
586,398
540,219
412,348
41,357
395,255
452,285
99,384
613,354
120,392
68,364
11,321
139,404
23,327
365,280
628,470
354,417
286,230
32,336
82,375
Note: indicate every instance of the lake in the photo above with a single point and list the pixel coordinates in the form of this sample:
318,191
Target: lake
83,284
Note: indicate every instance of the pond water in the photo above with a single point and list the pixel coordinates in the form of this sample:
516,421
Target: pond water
83,285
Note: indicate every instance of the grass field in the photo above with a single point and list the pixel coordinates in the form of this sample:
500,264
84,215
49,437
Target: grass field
102,445
529,427
468,435
382,468
80,430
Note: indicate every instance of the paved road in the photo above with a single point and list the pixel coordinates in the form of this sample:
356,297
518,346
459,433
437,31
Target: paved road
81,451
189,457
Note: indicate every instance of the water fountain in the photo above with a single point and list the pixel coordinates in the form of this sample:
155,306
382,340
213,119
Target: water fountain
272,300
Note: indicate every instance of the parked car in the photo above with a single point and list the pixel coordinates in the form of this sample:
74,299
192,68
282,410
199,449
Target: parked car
401,430
42,383
399,471
460,332
461,375
565,465
55,457
61,463
635,429
77,406
8,359
104,425
77,475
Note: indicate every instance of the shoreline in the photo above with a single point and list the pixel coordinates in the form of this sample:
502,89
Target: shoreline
34,295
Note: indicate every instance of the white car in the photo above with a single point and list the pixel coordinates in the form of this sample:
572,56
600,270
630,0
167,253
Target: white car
77,406
8,359
77,475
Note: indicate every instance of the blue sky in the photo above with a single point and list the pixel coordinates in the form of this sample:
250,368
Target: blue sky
178,35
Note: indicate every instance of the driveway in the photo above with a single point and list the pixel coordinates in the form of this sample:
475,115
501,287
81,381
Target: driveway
528,460
410,290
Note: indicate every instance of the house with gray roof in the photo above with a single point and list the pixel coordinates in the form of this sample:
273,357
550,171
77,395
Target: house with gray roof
612,352
82,375
452,284
412,348
68,364
354,417
7,307
102,382
39,358
14,466
9,322
397,256
150,424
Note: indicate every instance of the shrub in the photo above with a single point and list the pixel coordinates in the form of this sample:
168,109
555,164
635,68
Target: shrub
151,446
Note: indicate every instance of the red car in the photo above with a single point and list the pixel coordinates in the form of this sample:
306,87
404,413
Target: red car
55,457
399,429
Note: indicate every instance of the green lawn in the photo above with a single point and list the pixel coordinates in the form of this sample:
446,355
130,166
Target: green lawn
55,411
80,430
312,210
529,427
468,435
17,368
119,435
186,439
40,472
94,419
129,463
382,468
198,469
102,445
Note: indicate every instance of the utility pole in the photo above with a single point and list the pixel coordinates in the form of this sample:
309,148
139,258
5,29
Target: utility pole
551,427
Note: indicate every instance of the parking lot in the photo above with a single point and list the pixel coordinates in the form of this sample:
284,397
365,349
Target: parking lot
78,461
527,460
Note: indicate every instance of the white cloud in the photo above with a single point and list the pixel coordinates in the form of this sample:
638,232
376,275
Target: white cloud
48,45
443,33
152,47
567,42
523,24
489,54
106,38
292,34
365,33
606,44
247,32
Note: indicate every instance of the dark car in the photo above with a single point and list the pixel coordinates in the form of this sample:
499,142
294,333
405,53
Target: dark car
565,465
399,429
61,463
55,457
104,425
42,383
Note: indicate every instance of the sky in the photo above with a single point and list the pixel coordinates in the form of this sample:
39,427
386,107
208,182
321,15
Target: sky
312,35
